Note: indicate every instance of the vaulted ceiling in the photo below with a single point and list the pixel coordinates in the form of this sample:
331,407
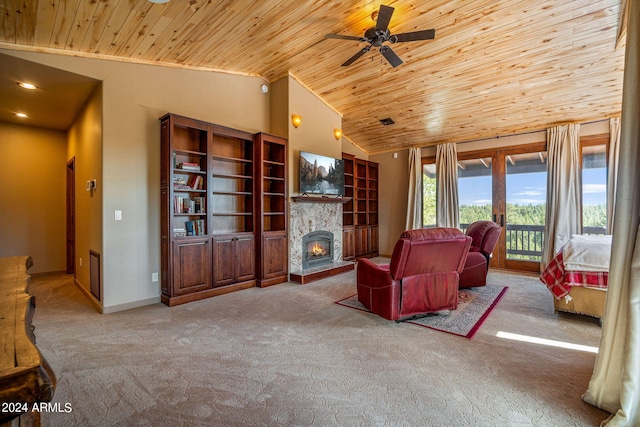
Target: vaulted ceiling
495,67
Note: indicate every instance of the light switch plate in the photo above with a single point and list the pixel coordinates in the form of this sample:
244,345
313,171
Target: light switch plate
118,215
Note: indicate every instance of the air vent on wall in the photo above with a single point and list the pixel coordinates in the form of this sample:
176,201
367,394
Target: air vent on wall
388,121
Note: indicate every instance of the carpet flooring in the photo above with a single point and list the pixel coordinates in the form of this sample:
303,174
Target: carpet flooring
288,356
474,305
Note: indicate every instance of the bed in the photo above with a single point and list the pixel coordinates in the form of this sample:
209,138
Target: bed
578,275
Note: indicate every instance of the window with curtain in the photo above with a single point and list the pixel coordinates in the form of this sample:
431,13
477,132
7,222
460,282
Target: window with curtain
429,201
594,189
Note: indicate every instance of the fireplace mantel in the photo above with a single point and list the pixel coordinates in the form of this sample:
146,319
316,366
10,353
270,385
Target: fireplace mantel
310,199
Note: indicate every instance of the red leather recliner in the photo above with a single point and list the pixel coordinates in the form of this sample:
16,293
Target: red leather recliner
484,236
421,278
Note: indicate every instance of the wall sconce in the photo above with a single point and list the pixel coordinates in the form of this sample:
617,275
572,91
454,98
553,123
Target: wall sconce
337,133
296,120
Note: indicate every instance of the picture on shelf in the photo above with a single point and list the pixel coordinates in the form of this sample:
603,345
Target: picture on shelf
321,174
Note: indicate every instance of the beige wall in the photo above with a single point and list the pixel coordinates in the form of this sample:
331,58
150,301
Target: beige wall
351,148
134,97
32,185
315,134
84,145
392,205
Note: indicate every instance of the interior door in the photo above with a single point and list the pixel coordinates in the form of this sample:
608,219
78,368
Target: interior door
71,217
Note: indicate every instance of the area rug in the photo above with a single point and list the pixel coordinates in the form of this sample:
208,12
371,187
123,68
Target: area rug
474,306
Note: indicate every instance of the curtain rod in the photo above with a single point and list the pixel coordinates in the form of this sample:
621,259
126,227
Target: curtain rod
522,133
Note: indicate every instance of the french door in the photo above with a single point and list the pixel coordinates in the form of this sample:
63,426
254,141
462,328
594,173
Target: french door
507,186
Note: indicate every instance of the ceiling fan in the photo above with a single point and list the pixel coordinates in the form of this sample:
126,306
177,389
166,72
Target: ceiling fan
379,34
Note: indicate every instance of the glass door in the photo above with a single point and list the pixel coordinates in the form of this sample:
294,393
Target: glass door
523,216
507,186
475,190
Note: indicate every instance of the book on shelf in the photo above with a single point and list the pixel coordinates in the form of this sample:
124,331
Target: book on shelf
188,166
196,182
179,232
195,227
187,205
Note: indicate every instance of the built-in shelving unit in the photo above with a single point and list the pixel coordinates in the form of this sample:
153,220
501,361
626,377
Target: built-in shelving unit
360,217
272,218
223,194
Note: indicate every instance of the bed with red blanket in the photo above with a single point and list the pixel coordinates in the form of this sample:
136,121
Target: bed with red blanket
578,275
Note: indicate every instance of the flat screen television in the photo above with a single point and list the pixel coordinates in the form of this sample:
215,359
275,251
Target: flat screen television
321,174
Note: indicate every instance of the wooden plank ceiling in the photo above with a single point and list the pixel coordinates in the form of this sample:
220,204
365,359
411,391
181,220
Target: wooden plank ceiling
495,67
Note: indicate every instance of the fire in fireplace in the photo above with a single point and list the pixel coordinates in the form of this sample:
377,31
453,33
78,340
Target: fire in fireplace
317,249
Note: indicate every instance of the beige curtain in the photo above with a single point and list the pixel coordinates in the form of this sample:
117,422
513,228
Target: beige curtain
564,188
622,23
447,186
615,383
414,199
612,170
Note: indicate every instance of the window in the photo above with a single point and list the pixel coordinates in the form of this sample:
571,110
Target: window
429,195
474,190
594,189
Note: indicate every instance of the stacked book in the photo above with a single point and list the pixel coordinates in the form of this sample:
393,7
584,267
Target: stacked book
179,232
187,166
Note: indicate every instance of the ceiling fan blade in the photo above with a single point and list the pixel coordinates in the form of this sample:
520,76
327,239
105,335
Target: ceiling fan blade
356,56
384,17
414,36
341,37
390,56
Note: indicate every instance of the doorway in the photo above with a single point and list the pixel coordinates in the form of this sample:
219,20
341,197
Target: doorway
510,185
71,216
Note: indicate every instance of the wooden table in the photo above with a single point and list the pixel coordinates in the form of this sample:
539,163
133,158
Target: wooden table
25,376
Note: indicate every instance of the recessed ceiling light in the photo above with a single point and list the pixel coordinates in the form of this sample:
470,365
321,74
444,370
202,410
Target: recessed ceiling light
26,85
159,1
23,115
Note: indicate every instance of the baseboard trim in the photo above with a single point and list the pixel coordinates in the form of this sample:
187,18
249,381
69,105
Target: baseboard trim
91,298
130,305
118,307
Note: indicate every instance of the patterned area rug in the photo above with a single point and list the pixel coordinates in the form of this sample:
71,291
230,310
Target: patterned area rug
474,306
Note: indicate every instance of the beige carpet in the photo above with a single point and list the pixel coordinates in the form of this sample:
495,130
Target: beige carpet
288,356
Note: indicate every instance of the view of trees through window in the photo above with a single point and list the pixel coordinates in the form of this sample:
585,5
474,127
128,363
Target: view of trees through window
594,189
526,185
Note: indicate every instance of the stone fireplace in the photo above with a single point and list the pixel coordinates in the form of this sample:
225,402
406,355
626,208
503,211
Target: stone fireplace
306,218
317,249
315,239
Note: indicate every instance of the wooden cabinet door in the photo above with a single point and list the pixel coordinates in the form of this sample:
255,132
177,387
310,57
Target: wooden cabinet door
233,259
223,260
361,240
244,258
275,262
373,240
191,266
348,243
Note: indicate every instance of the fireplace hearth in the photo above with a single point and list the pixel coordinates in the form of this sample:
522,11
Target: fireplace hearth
317,249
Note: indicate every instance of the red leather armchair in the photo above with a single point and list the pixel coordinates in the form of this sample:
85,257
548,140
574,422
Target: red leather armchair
421,278
484,236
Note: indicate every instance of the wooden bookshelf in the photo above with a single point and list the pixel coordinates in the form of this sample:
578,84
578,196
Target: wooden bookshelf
360,218
271,216
222,190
